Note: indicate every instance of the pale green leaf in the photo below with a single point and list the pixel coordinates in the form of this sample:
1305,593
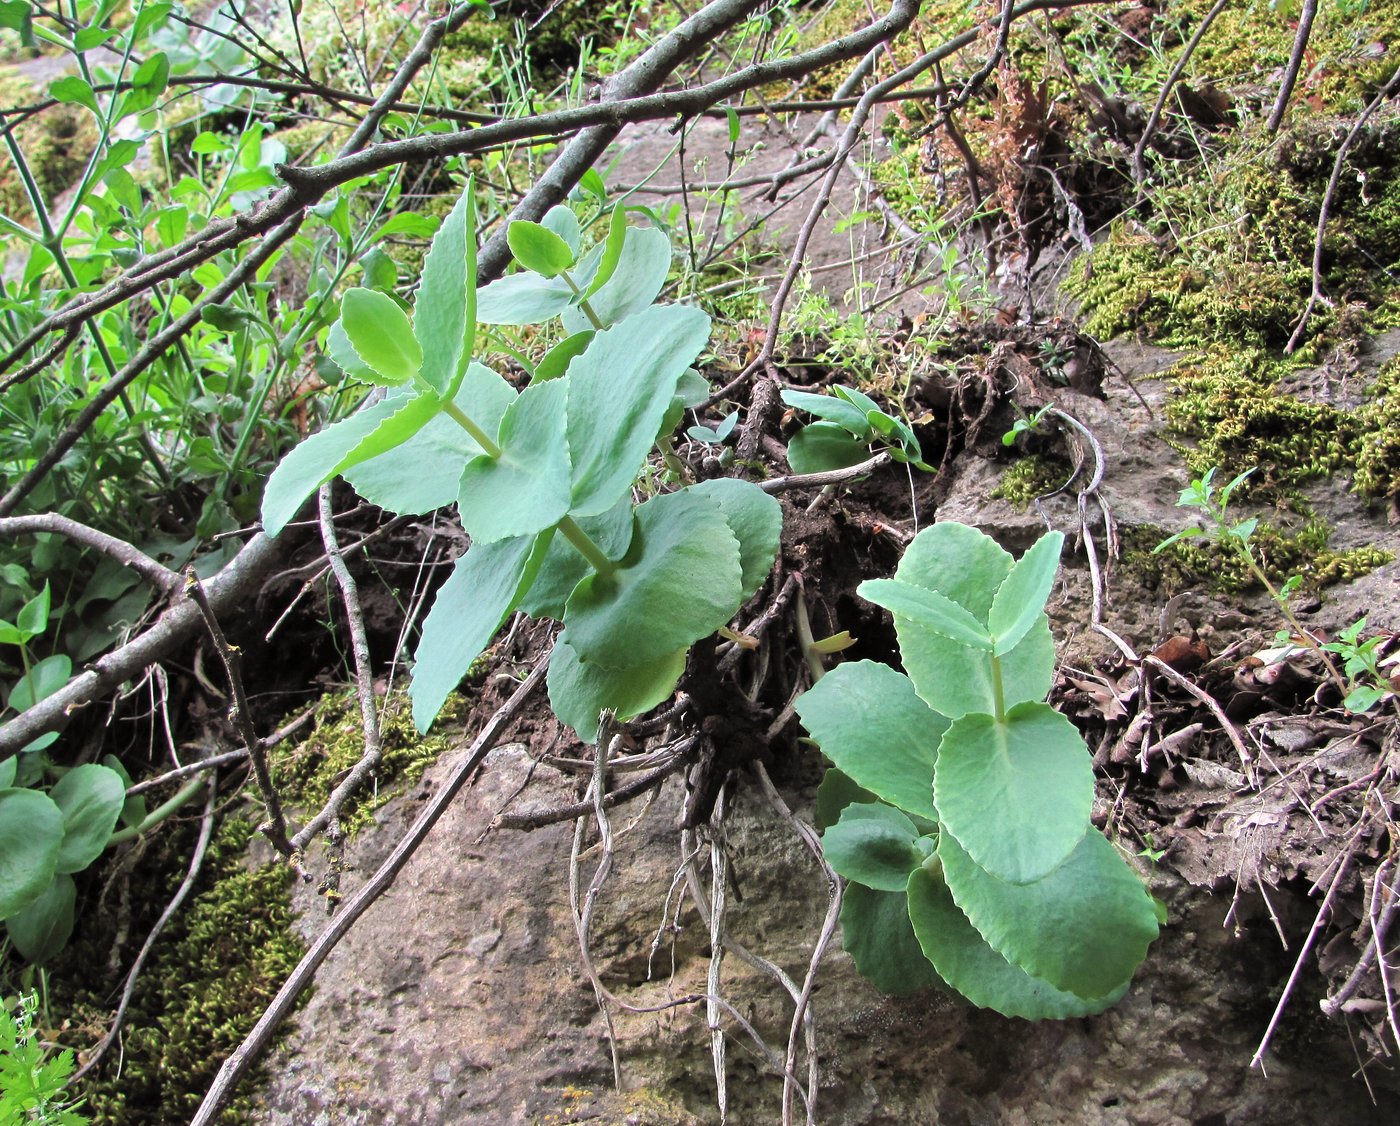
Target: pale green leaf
958,562
755,518
340,350
1017,792
954,679
579,691
444,315
522,299
619,390
927,608
612,251
486,584
639,278
563,222
679,581
556,361
965,961
868,721
424,473
1021,597
526,489
539,249
849,417
1084,928
564,568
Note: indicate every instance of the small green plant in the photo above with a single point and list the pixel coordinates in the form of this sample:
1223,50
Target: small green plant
959,802
1363,685
32,1088
851,424
544,478
1026,425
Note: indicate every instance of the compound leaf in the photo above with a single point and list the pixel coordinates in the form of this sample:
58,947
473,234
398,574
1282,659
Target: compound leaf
1015,792
868,721
1084,928
679,581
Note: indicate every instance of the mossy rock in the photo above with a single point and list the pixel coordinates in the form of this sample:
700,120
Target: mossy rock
56,143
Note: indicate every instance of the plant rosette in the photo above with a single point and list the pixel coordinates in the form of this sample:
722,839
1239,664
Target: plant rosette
543,478
958,805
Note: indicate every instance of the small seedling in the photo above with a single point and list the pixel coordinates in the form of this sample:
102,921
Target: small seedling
959,802
851,424
1364,685
1026,425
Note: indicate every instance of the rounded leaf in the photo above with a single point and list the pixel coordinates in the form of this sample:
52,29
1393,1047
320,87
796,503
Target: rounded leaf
755,518
31,832
868,721
678,582
825,446
91,798
538,248
958,562
580,692
874,845
876,932
1084,928
43,928
43,679
564,568
965,961
1015,792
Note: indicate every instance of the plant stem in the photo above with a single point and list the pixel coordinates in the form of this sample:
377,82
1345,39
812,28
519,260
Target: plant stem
159,814
583,304
998,699
586,547
1282,603
670,457
459,416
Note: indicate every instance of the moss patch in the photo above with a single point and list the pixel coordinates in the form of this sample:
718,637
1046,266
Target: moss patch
1378,449
1029,477
56,144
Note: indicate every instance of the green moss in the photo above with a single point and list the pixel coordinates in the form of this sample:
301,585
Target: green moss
1030,477
1206,564
1228,257
308,771
1378,450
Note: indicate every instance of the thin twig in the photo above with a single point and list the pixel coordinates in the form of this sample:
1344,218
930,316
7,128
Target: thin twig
1246,756
181,772
157,574
1295,64
536,819
819,480
237,1065
241,713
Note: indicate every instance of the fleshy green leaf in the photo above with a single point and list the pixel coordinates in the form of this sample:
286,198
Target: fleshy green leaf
619,390
755,518
639,278
42,680
381,335
538,248
31,832
8,767
823,447
556,361
33,616
1016,793
1084,928
43,928
580,691
876,932
873,845
965,961
1021,597
927,608
339,348
954,679
679,581
849,417
869,722
424,473
612,251
444,316
522,299
91,798
486,584
526,489
366,434
835,792
73,90
564,568
563,222
958,562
